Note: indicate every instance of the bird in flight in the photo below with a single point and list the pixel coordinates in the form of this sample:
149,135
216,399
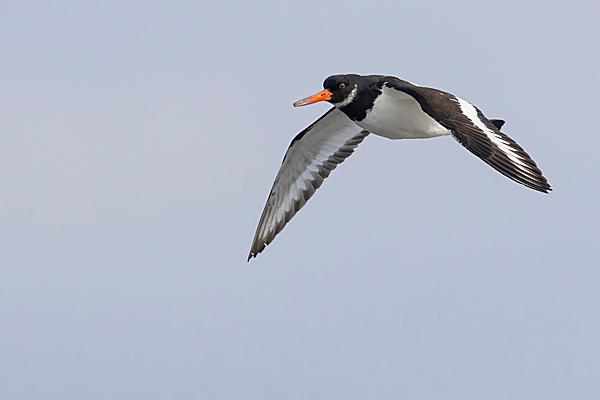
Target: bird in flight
388,107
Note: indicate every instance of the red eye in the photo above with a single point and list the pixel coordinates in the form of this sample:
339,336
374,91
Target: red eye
342,85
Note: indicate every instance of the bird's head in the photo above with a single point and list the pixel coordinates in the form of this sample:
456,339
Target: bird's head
338,90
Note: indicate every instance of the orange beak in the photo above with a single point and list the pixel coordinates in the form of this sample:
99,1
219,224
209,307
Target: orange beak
323,95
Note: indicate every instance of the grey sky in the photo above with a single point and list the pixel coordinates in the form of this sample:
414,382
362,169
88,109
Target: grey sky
138,143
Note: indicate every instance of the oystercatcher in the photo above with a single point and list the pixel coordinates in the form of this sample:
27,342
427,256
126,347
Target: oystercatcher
388,107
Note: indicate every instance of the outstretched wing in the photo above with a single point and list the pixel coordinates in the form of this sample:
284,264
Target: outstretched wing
482,138
310,158
476,133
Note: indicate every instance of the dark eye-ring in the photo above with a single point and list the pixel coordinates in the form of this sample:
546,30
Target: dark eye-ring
342,85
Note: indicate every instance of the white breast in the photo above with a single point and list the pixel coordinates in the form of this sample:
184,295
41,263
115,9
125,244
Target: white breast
397,115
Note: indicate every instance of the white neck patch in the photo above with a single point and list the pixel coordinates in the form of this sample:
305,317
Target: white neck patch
348,99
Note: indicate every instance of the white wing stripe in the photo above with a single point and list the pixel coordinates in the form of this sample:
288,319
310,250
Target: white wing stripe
471,112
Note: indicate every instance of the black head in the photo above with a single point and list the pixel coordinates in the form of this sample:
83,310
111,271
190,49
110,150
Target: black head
338,89
341,87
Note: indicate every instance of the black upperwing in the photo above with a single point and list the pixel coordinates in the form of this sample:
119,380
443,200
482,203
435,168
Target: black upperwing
476,133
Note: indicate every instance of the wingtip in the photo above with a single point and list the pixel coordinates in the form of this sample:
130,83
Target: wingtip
253,253
542,188
255,250
544,184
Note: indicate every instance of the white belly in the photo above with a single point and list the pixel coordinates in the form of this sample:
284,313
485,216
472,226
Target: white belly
397,115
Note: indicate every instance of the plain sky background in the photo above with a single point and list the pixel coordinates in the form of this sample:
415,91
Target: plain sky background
138,144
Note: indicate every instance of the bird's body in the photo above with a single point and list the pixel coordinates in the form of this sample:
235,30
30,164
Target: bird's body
388,107
396,115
